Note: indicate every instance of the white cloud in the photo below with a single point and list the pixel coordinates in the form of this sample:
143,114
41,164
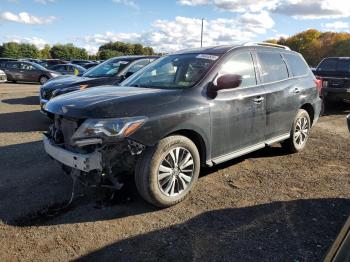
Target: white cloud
337,26
44,2
299,9
129,3
25,18
38,42
193,2
310,9
234,5
184,32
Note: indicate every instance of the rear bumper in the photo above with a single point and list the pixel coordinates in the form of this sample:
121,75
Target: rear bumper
83,162
332,93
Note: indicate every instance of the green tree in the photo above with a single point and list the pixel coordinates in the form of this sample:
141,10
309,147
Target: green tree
11,50
28,51
108,53
68,52
45,52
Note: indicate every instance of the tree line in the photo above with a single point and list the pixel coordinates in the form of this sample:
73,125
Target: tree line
69,51
312,44
315,45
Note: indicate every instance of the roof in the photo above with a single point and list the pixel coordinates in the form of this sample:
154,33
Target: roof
222,49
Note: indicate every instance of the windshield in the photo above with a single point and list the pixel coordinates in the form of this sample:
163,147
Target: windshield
39,67
110,67
173,71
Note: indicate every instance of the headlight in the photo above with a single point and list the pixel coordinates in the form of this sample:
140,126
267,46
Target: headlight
53,75
109,127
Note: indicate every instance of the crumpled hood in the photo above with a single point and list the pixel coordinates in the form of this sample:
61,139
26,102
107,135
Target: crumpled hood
112,101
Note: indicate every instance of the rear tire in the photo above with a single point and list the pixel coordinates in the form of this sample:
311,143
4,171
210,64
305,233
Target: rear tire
299,133
166,173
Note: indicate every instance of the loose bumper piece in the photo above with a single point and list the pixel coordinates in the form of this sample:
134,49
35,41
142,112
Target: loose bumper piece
83,162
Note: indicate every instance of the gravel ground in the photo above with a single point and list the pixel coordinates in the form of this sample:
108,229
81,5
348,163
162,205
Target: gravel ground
266,206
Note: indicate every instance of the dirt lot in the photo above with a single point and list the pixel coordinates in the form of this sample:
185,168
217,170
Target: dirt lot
266,206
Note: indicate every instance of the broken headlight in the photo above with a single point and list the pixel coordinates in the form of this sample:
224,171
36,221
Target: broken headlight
108,127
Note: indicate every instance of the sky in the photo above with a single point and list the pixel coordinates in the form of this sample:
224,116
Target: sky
165,25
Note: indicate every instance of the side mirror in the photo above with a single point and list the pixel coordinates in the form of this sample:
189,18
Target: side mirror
228,81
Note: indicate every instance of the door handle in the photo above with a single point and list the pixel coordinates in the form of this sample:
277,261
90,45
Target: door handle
258,99
297,90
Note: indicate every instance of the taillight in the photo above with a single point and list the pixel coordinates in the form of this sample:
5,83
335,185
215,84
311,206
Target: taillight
319,84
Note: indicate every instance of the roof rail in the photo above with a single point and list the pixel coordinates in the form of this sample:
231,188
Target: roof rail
266,44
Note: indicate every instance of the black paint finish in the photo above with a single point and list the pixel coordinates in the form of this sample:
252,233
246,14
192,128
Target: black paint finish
232,120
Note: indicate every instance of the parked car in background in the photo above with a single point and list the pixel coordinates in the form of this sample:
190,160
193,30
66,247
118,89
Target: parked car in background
3,77
28,72
335,75
110,72
37,61
90,65
3,61
51,62
68,69
194,108
81,62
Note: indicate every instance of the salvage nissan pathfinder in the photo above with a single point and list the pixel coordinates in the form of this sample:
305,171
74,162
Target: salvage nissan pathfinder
189,109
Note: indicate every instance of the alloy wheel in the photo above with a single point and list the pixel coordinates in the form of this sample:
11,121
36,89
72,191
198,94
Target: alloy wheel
175,171
301,131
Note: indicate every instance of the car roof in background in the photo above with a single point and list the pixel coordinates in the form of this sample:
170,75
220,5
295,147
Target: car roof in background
131,57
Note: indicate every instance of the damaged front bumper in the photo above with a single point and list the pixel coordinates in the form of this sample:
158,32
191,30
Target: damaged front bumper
82,162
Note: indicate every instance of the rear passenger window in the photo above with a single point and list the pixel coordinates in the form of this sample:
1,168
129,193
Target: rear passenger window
327,65
296,64
272,67
343,65
240,64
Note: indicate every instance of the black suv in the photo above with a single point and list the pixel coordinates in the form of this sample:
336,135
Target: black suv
194,108
110,72
335,75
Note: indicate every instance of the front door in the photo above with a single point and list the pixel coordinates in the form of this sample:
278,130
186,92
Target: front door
238,115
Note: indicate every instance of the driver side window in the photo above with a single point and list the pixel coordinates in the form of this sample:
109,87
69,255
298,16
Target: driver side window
240,64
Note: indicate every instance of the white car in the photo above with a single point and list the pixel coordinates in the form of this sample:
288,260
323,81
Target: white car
3,77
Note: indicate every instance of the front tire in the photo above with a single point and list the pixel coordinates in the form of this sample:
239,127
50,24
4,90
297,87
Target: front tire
43,79
166,173
299,133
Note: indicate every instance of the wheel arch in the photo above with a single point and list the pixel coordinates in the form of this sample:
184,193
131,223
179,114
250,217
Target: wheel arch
197,139
310,110
42,76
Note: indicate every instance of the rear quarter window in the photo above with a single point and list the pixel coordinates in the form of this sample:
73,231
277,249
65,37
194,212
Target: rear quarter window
272,66
328,65
296,64
343,65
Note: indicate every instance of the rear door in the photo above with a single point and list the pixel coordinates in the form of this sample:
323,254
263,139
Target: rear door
238,114
282,94
29,73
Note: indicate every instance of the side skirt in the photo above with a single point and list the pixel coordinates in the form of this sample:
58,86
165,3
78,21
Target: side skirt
246,150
